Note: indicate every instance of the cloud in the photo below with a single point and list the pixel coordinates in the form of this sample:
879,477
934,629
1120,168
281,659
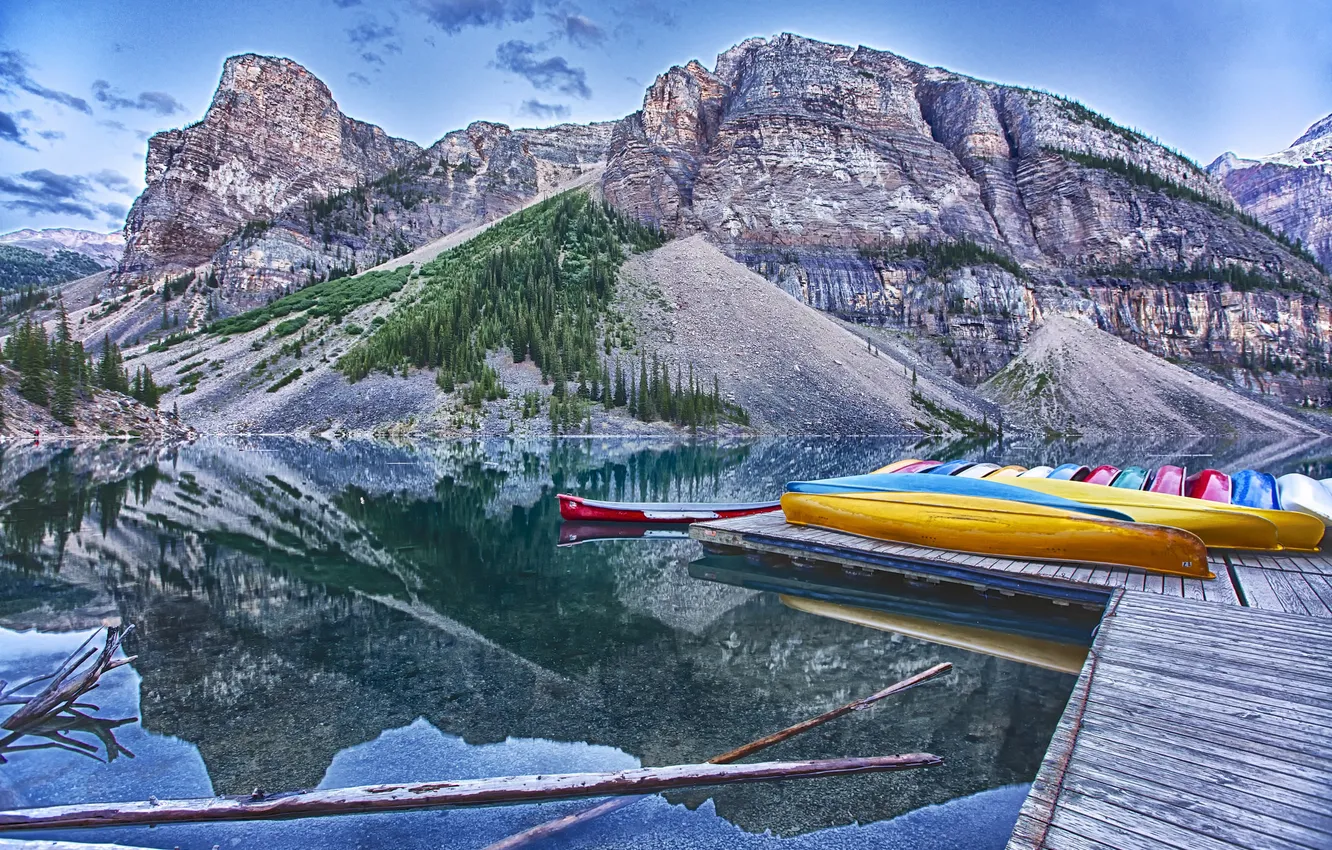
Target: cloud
544,111
371,58
359,78
647,12
346,4
46,192
51,135
14,75
369,32
114,180
453,16
552,72
577,29
112,124
10,131
148,101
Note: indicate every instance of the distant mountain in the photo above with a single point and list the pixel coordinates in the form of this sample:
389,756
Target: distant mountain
105,248
21,268
1291,190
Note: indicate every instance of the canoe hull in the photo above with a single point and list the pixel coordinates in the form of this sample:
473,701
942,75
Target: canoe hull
1222,526
589,510
1252,489
1210,485
1168,480
1305,495
1004,529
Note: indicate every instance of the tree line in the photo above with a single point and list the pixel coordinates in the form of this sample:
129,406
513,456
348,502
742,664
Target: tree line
56,372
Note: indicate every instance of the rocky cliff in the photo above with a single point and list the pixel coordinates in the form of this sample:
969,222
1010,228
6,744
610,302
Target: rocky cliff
272,136
1290,191
888,192
275,188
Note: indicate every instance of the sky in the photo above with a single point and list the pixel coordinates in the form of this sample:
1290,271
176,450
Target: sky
84,83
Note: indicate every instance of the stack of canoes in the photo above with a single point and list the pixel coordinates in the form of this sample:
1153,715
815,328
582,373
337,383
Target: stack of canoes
1160,520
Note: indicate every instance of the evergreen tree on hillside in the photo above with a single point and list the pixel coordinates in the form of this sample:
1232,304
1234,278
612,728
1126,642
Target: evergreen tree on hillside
32,356
111,374
65,366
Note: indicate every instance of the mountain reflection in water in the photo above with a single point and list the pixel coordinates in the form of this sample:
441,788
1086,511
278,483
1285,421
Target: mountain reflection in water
310,614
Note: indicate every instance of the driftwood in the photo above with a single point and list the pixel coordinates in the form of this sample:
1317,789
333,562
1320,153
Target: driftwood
368,799
545,830
55,711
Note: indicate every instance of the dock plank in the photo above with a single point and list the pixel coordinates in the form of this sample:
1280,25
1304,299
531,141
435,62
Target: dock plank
1193,725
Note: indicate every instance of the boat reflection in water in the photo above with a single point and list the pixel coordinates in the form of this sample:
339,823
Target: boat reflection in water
574,532
1028,630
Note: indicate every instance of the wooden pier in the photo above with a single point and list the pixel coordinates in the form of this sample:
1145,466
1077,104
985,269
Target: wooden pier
1202,717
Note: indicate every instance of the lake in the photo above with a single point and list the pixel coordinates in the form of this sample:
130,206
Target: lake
314,614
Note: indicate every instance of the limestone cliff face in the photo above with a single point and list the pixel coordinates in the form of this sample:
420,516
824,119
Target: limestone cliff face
1290,191
273,135
275,187
841,173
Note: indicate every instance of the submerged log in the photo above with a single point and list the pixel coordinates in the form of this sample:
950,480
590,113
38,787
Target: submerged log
368,799
545,830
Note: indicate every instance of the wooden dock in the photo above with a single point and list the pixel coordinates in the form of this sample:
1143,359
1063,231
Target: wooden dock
1202,717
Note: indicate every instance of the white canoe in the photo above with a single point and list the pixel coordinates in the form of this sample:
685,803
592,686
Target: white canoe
1038,472
1306,495
978,470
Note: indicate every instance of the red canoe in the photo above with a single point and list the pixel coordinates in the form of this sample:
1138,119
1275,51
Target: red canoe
1102,475
1210,484
576,507
1168,479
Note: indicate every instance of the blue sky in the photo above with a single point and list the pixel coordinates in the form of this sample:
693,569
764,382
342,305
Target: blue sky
84,82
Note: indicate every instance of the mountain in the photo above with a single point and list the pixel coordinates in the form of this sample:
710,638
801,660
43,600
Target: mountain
939,217
961,211
104,248
1290,191
275,187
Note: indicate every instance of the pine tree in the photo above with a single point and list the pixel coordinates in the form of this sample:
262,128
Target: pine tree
62,404
32,361
621,394
646,409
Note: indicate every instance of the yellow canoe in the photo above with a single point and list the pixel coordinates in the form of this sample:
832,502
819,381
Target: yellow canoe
984,526
1218,524
1007,472
897,464
1040,652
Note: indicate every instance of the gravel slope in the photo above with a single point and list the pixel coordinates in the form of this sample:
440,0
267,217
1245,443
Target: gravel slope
794,369
1074,378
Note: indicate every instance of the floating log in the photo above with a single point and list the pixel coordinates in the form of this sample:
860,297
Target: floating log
545,830
369,799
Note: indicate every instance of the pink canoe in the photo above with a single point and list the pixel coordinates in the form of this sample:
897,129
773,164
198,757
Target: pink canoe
1102,475
590,510
1210,484
1169,480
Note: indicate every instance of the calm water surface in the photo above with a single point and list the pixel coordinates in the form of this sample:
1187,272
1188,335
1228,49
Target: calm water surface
319,615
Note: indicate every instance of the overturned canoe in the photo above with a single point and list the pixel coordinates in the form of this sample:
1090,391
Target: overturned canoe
1130,478
949,485
908,465
1220,525
1038,472
1007,472
979,470
590,510
1001,528
952,467
1102,475
1211,485
1305,495
1167,479
1252,489
1069,472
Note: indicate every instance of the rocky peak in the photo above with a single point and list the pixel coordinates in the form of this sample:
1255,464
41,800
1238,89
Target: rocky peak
272,135
1321,130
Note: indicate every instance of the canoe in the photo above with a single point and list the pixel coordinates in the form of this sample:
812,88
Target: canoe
1025,649
1069,472
908,465
1252,489
950,486
953,467
1130,478
1001,528
1038,472
979,470
590,510
1223,526
1168,480
1007,472
1304,494
1102,475
1209,484
575,532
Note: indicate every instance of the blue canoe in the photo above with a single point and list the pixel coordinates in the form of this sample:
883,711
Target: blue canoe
892,482
953,467
1069,472
1251,489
